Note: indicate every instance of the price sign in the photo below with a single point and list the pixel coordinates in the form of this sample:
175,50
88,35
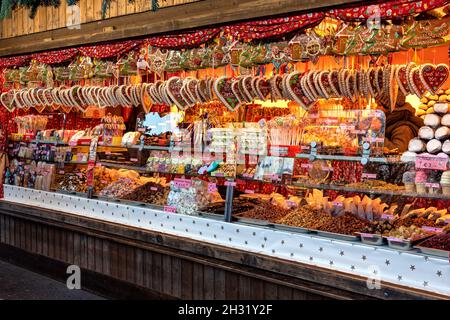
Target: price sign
307,165
61,172
230,183
432,229
154,188
338,204
367,235
219,174
387,217
369,175
247,175
212,187
249,191
291,203
432,185
325,168
431,162
72,143
273,176
171,209
182,183
133,159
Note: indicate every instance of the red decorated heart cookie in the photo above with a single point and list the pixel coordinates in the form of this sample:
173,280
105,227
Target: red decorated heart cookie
223,90
202,92
237,92
333,80
173,89
276,87
296,90
433,77
7,100
247,87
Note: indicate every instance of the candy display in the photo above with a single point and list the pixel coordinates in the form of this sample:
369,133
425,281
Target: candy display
412,233
440,241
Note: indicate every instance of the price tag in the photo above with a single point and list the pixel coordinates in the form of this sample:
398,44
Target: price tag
367,235
154,188
171,209
212,187
387,217
104,182
247,175
98,164
432,229
338,204
369,175
273,176
141,130
249,191
431,162
307,165
182,183
358,131
291,203
72,143
134,160
230,183
396,239
304,148
107,152
432,185
61,172
219,174
324,168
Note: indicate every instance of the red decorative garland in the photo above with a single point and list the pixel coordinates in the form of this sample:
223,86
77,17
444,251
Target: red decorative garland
103,51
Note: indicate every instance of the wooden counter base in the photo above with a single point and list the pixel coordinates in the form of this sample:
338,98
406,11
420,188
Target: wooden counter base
148,264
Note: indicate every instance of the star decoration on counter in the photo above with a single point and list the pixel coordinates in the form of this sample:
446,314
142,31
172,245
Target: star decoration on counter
310,258
364,257
387,262
331,262
426,258
425,283
320,249
375,272
292,254
439,273
301,245
341,253
352,267
399,278
412,267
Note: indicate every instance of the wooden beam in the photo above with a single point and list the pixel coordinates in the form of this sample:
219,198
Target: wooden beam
191,15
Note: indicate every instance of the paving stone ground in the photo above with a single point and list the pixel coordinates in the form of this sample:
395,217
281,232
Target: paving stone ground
17,283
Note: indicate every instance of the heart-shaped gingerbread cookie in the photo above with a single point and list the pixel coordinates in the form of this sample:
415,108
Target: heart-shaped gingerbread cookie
296,90
262,88
7,100
173,90
433,77
223,90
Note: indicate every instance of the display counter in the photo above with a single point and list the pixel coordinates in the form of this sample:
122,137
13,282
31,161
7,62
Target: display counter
317,267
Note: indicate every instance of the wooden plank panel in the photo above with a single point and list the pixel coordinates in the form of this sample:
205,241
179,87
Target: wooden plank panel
244,287
97,10
284,293
148,269
35,21
113,7
130,265
139,266
114,264
14,22
44,240
64,255
30,22
83,11
50,18
42,18
231,286
63,14
157,272
33,228
176,277
197,276
257,289
91,253
121,7
106,257
131,7
3,229
270,291
99,257
69,247
55,14
219,284
122,262
89,10
208,282
51,242
166,274
76,249
187,269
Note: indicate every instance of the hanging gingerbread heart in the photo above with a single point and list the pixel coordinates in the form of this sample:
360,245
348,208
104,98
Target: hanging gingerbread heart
237,92
223,90
416,83
372,82
262,88
7,100
65,109
402,79
186,95
191,89
333,80
173,90
324,84
202,91
285,91
276,87
39,108
433,77
296,90
248,88
310,76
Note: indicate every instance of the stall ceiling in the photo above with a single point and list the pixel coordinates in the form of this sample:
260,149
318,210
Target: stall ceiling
21,35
